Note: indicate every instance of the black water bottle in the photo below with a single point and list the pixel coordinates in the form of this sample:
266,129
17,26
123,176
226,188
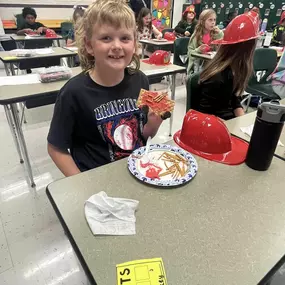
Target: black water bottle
265,135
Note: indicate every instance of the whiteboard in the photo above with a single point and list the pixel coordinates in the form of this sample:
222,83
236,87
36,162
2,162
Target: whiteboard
48,2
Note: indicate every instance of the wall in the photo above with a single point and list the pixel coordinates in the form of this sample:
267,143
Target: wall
43,13
177,12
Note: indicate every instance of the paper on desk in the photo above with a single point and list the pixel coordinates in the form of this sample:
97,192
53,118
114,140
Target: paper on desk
144,271
248,131
42,51
72,48
20,79
34,37
154,71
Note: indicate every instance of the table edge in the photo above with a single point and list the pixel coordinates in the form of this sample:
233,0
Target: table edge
70,238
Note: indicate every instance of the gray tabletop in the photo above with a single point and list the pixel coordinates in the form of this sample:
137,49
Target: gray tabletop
15,93
235,124
21,38
6,56
157,43
226,227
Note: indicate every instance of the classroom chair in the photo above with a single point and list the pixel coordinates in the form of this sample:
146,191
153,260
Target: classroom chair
167,30
192,87
180,51
264,63
20,21
65,28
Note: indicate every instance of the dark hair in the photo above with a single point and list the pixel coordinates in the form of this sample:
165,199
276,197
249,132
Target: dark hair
29,11
239,57
143,12
232,15
78,11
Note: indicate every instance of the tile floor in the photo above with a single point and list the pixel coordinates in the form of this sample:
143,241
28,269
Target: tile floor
33,246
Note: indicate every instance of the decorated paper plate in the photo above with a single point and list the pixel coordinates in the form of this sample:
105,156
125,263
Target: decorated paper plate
34,35
159,40
164,165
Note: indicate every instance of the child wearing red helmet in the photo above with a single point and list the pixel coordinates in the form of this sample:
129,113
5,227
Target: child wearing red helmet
186,26
278,32
225,78
205,32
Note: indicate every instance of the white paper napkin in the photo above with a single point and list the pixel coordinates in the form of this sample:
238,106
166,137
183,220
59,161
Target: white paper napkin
248,131
111,216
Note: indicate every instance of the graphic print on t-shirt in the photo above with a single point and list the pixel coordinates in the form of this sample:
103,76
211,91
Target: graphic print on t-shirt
120,124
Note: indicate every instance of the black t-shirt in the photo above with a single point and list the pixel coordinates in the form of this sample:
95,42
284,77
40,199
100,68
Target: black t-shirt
98,124
217,96
33,27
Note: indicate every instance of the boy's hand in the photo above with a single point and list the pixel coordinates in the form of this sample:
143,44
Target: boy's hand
187,34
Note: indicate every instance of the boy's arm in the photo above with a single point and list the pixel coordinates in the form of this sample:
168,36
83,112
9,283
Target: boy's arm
63,161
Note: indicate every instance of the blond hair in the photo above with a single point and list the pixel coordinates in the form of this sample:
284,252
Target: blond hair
239,57
200,27
112,12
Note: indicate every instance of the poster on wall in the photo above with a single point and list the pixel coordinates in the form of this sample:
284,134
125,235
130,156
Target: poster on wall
162,13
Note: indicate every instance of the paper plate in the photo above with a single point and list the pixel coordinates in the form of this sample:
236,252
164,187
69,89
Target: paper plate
159,40
160,168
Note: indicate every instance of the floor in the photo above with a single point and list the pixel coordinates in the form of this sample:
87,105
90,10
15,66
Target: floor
33,246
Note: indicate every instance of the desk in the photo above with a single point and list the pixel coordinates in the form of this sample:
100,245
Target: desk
10,95
154,43
235,124
22,38
226,227
9,61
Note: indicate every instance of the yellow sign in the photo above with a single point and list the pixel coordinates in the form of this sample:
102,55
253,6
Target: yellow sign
9,57
141,272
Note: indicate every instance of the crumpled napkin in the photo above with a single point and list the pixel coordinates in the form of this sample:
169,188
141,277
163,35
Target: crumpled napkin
111,216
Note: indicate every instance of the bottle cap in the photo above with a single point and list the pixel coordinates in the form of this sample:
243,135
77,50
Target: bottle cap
271,112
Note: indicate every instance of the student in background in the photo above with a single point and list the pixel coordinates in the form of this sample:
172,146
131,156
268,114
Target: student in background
225,78
278,32
205,32
77,15
186,26
145,29
230,17
137,5
95,119
30,25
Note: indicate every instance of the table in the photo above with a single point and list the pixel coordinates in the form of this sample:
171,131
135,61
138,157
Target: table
226,227
11,95
9,61
154,43
235,124
22,38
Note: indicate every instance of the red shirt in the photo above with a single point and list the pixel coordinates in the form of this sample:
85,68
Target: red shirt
206,39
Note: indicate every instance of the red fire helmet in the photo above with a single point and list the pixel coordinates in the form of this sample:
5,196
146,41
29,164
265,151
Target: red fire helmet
242,28
51,33
207,136
159,57
169,36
